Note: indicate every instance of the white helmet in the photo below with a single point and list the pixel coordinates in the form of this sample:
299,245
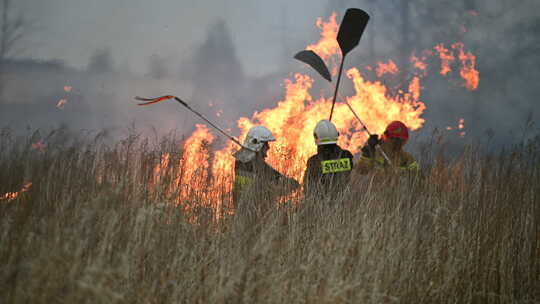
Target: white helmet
257,136
325,133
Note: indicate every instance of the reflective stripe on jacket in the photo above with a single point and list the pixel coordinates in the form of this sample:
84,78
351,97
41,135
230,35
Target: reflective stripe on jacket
329,170
403,161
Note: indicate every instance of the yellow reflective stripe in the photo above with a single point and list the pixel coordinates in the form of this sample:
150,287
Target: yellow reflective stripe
242,182
336,165
412,166
328,140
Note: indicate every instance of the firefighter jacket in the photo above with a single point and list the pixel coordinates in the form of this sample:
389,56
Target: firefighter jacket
328,171
259,178
371,161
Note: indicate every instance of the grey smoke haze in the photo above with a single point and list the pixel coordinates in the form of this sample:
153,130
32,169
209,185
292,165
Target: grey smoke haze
235,54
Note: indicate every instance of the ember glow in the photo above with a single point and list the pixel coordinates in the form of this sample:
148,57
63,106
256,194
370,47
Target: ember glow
61,103
293,118
461,124
39,146
386,68
459,127
446,58
68,89
419,64
13,195
468,70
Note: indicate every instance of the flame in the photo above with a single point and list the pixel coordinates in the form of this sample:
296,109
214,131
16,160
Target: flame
222,177
13,195
461,124
159,169
195,162
468,71
446,58
68,89
419,63
327,46
415,87
386,68
293,119
61,103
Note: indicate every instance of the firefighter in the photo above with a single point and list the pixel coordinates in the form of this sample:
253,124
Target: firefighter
329,170
391,143
253,176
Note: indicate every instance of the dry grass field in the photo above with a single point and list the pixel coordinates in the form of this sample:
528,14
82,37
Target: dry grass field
95,227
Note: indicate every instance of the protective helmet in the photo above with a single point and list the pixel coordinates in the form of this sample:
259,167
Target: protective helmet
257,136
325,133
396,129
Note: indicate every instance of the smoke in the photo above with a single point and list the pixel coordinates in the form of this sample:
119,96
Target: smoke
44,94
502,34
229,60
50,94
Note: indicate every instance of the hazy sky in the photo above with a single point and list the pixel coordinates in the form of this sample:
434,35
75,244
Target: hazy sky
266,34
71,30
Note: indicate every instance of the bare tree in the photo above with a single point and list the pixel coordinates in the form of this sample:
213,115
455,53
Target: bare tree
11,32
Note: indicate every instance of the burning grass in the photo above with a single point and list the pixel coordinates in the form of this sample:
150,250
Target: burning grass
97,226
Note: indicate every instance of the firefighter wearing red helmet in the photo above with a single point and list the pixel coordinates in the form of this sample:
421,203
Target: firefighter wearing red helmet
391,143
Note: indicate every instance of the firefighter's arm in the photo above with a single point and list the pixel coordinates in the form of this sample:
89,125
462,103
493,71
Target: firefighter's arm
365,164
281,181
289,182
411,164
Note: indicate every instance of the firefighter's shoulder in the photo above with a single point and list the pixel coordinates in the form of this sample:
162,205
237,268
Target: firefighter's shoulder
313,161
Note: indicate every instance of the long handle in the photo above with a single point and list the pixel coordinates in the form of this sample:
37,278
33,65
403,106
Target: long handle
337,86
210,123
149,101
378,147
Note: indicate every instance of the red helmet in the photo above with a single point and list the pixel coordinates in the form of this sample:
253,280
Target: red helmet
396,129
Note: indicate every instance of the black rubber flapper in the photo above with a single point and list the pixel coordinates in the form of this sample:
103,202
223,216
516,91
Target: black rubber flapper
351,29
313,60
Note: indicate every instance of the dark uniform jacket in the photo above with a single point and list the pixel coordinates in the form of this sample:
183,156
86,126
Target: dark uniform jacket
255,176
328,170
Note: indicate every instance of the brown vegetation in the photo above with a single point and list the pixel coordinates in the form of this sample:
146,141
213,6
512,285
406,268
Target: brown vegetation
92,230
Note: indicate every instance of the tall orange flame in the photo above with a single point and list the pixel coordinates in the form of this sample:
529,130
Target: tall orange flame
327,46
195,162
293,118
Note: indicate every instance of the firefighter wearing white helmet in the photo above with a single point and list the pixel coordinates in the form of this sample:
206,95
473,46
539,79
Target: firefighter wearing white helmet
329,170
252,174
